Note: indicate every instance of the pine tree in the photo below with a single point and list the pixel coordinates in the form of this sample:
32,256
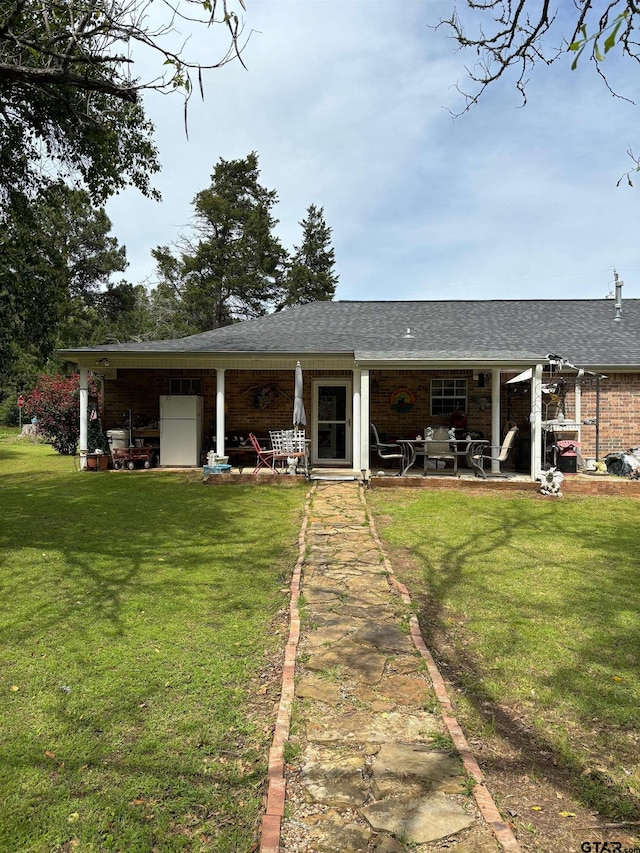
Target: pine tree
234,270
311,276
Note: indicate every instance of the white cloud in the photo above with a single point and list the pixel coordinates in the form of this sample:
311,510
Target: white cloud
346,101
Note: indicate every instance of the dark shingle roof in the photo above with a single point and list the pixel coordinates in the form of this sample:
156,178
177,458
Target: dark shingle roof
582,331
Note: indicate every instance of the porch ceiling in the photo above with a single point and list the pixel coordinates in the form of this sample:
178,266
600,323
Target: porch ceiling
95,361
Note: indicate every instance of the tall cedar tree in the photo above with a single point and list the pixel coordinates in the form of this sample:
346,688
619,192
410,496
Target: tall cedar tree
234,270
311,276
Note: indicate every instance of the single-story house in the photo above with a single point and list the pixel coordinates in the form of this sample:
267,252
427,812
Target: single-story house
555,368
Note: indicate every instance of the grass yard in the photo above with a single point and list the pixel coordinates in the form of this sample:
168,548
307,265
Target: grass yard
533,607
138,613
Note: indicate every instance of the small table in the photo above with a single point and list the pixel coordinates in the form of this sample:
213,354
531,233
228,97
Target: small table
412,448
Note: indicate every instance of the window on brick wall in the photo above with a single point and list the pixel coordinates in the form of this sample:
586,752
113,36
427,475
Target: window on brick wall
448,395
184,386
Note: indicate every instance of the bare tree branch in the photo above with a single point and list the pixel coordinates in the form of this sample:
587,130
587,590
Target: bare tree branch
62,36
59,77
515,37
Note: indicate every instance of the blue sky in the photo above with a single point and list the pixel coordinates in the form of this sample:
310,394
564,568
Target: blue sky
349,104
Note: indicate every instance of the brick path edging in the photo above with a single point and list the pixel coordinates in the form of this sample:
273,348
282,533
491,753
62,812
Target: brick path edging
483,798
276,786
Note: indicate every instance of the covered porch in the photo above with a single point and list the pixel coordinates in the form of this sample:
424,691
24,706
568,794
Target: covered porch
341,400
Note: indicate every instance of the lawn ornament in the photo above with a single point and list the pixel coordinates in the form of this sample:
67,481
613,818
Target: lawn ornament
550,482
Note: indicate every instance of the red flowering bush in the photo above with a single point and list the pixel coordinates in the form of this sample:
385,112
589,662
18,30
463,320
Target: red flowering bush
55,402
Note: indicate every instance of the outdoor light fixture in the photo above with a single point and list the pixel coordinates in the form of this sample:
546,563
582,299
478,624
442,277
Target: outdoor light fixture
103,361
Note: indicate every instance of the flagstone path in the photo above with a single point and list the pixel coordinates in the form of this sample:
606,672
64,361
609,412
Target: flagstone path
373,759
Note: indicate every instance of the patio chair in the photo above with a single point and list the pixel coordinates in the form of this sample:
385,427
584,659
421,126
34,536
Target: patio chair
478,459
289,447
265,457
387,451
438,448
296,441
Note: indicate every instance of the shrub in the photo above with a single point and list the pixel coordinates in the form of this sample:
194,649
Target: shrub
55,402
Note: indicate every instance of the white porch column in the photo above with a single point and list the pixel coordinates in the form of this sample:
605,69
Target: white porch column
84,407
220,425
536,419
364,423
357,431
578,407
496,432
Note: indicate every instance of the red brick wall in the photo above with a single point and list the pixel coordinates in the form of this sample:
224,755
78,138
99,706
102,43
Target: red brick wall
141,389
619,414
410,424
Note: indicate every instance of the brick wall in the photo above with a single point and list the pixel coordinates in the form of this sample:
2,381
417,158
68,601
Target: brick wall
140,390
410,424
619,414
246,409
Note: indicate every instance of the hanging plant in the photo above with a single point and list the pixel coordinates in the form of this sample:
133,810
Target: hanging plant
402,400
265,397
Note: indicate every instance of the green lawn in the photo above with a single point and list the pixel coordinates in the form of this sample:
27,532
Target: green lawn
136,614
538,602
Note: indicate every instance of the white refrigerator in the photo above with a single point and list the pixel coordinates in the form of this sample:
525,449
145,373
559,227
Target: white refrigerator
180,430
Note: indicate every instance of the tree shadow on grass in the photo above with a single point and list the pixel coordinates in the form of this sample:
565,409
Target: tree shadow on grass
603,611
127,613
106,541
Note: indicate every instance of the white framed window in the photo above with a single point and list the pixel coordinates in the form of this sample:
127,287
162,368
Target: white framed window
448,395
182,386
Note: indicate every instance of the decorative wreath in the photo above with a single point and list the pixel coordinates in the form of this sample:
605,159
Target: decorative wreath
402,400
265,397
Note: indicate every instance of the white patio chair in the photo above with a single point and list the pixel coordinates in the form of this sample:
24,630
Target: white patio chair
502,454
289,446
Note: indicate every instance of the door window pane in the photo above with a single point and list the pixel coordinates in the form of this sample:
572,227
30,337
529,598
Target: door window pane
332,403
332,441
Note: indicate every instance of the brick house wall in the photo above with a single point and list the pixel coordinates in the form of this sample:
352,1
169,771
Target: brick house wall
248,410
619,414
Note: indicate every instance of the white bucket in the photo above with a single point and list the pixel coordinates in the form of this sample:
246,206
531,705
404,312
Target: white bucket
118,438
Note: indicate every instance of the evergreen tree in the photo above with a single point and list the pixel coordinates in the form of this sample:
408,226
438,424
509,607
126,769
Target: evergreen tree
310,275
234,268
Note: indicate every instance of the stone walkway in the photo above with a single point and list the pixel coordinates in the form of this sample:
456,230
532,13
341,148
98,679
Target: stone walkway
372,757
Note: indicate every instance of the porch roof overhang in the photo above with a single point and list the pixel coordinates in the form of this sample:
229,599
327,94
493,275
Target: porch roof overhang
447,360
107,361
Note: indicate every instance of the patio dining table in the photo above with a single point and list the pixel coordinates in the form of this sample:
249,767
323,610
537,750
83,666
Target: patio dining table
414,448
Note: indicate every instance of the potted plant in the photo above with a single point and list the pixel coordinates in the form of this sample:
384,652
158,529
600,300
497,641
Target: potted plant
97,448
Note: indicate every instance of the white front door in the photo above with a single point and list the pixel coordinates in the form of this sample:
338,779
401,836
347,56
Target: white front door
331,438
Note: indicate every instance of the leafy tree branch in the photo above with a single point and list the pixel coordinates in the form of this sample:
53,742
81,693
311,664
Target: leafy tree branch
70,97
